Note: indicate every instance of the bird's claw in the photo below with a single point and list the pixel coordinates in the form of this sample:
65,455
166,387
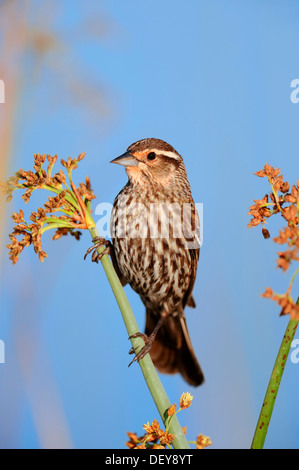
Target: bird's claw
148,340
98,242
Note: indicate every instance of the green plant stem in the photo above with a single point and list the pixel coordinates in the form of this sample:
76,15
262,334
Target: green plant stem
293,278
273,386
148,369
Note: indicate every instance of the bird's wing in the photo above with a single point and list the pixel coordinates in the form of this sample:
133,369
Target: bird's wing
188,298
191,231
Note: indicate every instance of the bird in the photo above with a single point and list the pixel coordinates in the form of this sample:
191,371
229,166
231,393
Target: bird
155,249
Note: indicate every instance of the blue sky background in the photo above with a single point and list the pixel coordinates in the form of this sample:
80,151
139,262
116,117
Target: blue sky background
212,78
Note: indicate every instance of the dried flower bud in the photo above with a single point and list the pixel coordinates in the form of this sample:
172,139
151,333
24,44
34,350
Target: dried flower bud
265,233
285,187
18,217
290,214
185,400
203,441
171,410
167,438
81,156
268,293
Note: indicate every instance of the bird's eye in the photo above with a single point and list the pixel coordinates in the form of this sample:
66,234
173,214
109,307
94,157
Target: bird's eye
151,156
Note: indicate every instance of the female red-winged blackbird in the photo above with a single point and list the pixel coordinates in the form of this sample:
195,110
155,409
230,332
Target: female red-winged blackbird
155,235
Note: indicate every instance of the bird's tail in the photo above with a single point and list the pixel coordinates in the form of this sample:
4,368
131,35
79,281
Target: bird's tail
172,350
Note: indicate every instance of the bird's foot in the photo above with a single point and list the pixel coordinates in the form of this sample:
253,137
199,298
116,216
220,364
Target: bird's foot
148,340
98,242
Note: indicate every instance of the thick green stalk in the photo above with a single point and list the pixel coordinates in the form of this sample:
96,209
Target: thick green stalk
148,369
273,386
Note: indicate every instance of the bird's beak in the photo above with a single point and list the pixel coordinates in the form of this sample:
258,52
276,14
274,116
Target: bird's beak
127,159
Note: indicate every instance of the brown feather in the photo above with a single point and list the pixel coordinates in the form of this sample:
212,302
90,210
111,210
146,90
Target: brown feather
172,350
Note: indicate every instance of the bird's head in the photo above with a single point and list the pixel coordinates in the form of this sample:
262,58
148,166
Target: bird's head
152,161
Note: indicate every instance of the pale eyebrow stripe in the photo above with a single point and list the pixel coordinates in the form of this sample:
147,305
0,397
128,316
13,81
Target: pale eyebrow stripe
167,154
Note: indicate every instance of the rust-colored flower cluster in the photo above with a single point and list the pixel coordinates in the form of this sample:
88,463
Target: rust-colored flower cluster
157,438
282,200
66,211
